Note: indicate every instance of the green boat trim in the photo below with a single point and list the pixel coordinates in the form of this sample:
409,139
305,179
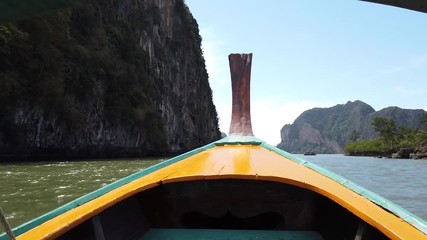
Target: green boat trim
373,197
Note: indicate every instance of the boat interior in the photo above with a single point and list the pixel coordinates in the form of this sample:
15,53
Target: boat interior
218,209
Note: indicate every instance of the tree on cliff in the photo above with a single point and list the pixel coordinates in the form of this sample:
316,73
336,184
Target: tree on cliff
388,131
423,120
391,138
422,134
354,136
105,77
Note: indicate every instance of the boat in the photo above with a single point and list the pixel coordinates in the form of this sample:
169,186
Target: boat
238,187
309,153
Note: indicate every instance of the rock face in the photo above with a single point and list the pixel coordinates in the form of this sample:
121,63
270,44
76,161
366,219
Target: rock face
421,151
327,130
105,79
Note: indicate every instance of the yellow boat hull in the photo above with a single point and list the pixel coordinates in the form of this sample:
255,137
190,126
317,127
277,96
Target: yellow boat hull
237,181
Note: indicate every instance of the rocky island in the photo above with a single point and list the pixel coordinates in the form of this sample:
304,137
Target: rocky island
329,130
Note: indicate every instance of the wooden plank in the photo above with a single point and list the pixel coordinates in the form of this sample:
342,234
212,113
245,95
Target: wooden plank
97,226
6,225
360,231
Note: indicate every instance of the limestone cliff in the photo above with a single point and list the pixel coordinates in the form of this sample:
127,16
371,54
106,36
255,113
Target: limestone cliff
327,130
105,79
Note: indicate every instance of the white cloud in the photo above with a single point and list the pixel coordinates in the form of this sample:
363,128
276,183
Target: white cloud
268,116
216,62
219,79
224,115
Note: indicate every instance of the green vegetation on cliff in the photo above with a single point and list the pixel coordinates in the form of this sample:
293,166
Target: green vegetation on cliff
329,130
105,75
391,138
66,53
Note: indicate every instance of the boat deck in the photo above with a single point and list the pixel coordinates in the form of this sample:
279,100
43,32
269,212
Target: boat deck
215,234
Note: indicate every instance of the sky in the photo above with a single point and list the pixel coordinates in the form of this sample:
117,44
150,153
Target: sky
309,54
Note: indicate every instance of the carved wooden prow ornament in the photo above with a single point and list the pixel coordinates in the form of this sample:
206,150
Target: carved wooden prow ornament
240,69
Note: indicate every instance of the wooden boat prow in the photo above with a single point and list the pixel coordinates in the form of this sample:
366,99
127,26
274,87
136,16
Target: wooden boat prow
238,186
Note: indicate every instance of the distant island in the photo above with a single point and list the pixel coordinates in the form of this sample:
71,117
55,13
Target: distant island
355,128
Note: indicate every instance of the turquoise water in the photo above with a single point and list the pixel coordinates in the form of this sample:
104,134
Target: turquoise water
29,190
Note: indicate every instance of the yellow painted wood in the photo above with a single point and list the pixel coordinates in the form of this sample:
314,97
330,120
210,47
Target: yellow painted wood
240,162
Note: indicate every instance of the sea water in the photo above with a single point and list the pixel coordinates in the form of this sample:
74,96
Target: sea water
28,190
